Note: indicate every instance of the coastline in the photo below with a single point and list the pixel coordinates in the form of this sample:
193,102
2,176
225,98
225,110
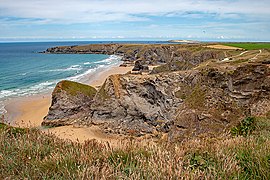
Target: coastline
29,111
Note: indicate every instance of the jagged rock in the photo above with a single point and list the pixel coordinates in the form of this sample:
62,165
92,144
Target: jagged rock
206,105
139,66
70,100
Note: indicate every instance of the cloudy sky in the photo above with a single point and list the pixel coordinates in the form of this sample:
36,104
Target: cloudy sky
226,20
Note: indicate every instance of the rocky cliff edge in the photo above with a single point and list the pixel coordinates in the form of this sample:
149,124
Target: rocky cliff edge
206,100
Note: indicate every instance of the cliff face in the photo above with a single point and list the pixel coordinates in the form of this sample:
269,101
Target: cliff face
150,54
205,100
70,101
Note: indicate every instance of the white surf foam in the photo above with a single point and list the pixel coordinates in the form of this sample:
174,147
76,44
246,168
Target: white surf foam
109,60
22,74
112,59
2,108
6,93
71,68
35,89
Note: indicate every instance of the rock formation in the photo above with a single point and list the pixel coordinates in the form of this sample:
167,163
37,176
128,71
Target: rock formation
70,100
183,103
206,99
149,54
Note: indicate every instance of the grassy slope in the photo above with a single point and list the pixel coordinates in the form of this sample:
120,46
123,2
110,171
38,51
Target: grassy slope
74,88
250,46
28,153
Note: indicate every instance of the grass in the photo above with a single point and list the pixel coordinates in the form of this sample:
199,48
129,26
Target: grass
250,46
196,100
245,127
31,154
74,88
172,66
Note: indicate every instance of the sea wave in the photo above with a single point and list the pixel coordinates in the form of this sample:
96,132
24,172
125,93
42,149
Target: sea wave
71,68
111,59
6,93
22,74
2,109
35,89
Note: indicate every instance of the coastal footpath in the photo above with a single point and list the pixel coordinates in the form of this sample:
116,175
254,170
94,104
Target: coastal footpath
195,91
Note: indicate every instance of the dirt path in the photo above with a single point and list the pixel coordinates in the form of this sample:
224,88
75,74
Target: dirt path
255,57
228,58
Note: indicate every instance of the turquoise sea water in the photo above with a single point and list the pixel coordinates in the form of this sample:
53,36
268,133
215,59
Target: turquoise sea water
24,71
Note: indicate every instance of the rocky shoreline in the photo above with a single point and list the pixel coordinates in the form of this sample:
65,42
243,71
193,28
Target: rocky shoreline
150,54
193,93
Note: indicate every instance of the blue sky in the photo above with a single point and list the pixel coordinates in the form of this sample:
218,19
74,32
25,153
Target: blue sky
222,20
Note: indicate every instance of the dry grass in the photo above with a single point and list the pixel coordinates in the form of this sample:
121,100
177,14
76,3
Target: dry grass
28,153
116,84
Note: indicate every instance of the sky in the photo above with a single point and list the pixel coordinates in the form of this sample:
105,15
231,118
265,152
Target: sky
206,20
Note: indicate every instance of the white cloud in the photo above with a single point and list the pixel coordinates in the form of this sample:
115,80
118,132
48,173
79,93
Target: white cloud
87,11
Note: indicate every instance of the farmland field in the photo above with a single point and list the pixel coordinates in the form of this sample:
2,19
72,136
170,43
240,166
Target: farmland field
250,46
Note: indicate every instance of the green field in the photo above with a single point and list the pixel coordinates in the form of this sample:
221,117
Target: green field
250,46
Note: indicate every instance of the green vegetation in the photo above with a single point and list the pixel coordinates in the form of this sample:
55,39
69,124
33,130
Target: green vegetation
173,66
201,161
244,128
180,94
31,154
74,88
196,100
250,46
239,61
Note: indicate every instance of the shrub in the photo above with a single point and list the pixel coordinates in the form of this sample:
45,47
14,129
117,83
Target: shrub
244,128
200,161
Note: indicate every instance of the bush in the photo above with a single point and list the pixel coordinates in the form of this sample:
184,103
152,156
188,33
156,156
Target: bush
201,161
244,128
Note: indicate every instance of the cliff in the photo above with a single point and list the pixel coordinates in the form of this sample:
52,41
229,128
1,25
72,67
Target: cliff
150,54
206,100
194,91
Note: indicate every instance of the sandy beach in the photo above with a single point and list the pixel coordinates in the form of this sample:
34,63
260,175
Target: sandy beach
29,111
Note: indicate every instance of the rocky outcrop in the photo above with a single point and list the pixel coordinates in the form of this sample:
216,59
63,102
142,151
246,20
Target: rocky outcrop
205,100
149,54
70,100
139,66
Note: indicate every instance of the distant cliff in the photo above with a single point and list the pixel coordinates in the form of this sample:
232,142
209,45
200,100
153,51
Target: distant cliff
150,54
